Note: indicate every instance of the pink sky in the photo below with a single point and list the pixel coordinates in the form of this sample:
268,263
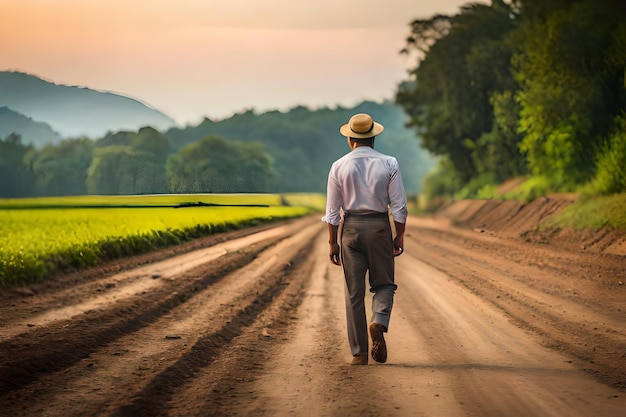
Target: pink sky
197,58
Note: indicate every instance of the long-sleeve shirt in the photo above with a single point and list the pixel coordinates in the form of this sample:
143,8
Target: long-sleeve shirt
365,180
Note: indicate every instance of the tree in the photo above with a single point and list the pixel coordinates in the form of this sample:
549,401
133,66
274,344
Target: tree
105,174
463,61
497,153
120,138
147,162
214,165
16,180
151,141
61,169
571,87
255,168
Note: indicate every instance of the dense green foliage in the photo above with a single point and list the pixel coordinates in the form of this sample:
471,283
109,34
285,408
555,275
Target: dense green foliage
532,88
214,165
57,168
251,153
17,179
611,163
303,143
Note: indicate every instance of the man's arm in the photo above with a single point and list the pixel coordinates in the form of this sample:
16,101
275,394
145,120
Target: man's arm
334,245
399,211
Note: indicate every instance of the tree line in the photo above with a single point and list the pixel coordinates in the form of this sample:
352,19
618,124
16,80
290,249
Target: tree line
246,153
131,163
533,88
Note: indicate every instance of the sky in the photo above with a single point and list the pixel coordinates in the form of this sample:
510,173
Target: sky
213,58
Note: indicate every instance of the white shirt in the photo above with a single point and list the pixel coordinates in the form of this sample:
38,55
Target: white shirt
365,180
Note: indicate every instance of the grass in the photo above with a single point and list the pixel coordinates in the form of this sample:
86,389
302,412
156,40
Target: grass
588,212
593,213
40,237
141,200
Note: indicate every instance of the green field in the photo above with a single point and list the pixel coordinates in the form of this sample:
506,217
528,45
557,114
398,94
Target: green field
40,237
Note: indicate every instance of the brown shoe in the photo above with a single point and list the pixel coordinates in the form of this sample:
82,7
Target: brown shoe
379,347
359,359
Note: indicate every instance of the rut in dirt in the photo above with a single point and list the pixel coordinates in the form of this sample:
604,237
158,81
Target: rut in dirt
268,269
573,300
62,344
153,398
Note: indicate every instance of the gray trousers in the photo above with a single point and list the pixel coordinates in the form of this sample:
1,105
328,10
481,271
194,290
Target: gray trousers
367,246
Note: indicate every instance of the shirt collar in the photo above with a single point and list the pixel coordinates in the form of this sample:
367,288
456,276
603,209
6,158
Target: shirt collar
363,149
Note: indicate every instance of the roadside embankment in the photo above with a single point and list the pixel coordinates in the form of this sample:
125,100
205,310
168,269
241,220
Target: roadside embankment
531,222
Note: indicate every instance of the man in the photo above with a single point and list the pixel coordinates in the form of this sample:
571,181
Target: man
363,185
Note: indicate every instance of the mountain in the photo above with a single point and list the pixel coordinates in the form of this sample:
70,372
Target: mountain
76,111
32,132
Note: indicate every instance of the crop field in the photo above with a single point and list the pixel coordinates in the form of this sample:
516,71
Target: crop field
39,237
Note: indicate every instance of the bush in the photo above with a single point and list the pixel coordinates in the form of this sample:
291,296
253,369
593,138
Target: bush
482,187
530,190
610,175
593,213
440,183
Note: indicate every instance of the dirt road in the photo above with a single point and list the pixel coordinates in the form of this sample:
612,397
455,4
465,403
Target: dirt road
251,323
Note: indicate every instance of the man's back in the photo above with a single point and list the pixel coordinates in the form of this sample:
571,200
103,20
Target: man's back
365,180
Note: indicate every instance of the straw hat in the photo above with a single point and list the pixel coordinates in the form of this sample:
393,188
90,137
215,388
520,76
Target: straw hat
361,126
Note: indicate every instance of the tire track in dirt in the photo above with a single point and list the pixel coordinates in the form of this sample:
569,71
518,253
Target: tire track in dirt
64,304
303,374
63,343
474,361
60,344
228,385
285,273
587,327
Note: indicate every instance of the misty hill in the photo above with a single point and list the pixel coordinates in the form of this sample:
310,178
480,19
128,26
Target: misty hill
76,111
274,152
31,132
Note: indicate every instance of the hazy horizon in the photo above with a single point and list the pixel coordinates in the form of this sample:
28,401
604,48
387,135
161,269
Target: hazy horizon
192,59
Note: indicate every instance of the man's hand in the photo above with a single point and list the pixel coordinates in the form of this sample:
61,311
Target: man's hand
334,254
398,245
334,246
398,241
